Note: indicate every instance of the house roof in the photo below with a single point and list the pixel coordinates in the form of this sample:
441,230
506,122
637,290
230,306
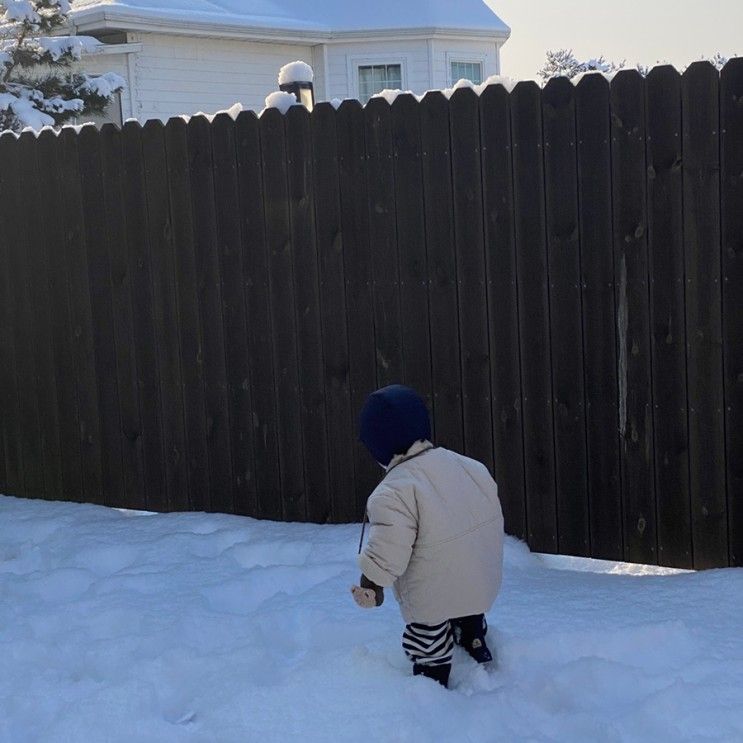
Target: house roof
326,16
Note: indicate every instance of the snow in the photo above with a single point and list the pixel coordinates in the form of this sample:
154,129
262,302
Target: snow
57,46
326,17
104,85
19,11
282,100
390,95
25,109
123,626
296,72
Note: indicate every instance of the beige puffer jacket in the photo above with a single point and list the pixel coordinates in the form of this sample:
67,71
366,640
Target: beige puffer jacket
436,535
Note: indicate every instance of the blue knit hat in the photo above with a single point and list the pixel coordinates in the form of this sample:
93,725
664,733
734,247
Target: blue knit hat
392,420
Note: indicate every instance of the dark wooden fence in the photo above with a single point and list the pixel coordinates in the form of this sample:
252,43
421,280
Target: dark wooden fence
191,315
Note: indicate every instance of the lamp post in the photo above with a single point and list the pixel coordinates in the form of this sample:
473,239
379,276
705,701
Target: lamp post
296,78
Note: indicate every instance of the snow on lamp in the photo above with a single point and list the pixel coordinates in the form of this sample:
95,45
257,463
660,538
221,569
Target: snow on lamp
296,78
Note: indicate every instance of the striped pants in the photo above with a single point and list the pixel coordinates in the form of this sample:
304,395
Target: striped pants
429,644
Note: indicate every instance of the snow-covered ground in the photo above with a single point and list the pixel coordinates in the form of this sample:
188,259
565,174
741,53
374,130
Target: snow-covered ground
191,627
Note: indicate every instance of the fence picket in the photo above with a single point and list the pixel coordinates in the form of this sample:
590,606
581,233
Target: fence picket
566,332
61,331
383,241
503,318
165,319
37,265
259,327
29,459
309,331
283,314
667,321
411,238
357,264
81,317
442,272
99,277
209,289
115,216
700,88
532,272
472,307
190,331
633,318
731,167
599,325
227,207
333,306
140,267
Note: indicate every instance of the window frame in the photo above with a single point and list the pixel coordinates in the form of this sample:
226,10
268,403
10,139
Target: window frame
354,63
452,57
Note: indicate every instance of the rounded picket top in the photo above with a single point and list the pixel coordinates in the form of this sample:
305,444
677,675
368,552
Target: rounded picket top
404,101
198,121
108,128
323,108
132,125
525,88
592,82
434,103
434,98
349,105
297,116
702,69
559,92
245,116
27,136
463,95
175,124
88,135
377,105
48,133
323,113
664,72
494,91
67,135
627,79
154,125
734,66
271,117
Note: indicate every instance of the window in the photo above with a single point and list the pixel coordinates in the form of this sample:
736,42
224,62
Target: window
467,70
378,77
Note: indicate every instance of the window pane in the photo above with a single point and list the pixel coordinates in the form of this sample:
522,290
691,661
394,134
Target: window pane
375,78
394,76
467,70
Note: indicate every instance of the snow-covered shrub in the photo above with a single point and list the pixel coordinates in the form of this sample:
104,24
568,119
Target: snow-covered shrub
40,83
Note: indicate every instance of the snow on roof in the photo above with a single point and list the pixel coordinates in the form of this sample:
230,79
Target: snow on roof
327,16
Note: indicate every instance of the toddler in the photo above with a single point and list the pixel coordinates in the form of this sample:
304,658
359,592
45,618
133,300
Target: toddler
436,535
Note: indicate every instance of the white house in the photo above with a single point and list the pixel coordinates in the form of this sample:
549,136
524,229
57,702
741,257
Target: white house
183,56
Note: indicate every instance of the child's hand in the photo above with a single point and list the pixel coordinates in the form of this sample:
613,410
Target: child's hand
368,595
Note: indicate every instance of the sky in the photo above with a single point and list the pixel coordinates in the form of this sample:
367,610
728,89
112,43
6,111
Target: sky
644,31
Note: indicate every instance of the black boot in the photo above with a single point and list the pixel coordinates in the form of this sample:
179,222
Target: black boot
437,673
469,632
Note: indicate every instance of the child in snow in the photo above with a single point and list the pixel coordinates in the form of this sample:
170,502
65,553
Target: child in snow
436,535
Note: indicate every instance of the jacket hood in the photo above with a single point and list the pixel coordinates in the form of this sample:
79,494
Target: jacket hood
392,420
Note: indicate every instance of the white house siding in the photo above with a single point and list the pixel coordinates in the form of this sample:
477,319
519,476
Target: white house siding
182,75
426,63
446,51
344,58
